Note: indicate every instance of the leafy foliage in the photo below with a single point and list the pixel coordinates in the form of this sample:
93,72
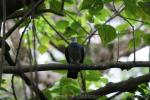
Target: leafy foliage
81,18
107,33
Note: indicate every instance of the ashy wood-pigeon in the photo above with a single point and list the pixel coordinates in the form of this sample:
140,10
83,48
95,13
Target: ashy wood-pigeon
74,55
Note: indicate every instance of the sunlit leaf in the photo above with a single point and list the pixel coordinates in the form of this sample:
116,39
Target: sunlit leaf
104,80
146,38
93,75
55,5
47,93
69,1
62,24
70,32
137,42
66,86
145,6
107,33
94,6
131,6
42,49
87,4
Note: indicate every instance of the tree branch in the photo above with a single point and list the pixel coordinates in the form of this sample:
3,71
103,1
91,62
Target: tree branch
21,13
129,85
53,66
23,18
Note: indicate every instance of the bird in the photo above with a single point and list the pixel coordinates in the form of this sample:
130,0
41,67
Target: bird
74,54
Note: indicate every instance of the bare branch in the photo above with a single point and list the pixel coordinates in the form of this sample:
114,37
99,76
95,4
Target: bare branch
13,87
20,13
54,66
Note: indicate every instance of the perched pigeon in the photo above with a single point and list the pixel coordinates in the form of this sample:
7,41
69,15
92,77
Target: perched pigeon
74,55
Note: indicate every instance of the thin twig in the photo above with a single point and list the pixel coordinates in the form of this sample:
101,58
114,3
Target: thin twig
30,59
34,50
0,26
19,46
13,87
116,11
48,51
32,85
3,41
62,5
52,56
78,23
83,82
112,17
59,34
93,33
134,44
23,18
144,22
34,41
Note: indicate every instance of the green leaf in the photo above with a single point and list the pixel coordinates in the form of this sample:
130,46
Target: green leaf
86,4
55,5
137,42
145,6
146,38
121,28
67,86
62,24
87,60
131,6
104,80
69,1
70,32
94,6
93,75
3,89
47,93
44,40
74,30
104,13
102,98
107,33
42,49
89,17
76,26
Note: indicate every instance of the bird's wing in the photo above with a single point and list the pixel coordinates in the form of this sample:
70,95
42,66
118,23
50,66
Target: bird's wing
67,55
82,54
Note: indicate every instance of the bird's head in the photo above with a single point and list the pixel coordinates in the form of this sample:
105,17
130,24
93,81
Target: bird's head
73,39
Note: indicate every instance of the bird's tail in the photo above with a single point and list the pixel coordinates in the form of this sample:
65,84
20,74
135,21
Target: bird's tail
72,74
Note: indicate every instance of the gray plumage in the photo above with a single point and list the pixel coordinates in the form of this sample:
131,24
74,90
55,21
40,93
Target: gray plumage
74,55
